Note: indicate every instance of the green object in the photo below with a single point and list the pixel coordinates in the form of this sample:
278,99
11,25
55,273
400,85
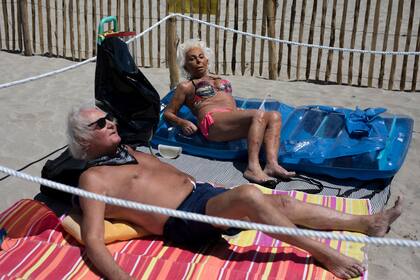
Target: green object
101,34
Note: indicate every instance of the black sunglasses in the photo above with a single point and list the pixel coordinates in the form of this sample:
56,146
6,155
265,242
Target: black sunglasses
102,121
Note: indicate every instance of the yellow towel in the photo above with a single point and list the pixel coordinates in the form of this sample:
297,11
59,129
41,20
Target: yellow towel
113,230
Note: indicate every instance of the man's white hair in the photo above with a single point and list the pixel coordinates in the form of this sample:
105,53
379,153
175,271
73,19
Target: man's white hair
185,47
78,131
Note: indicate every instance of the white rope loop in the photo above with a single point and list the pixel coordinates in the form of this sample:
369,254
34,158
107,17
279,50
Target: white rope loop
211,219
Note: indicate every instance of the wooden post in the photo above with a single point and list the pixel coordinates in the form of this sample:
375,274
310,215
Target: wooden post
71,22
311,40
301,25
126,16
85,11
19,25
150,36
224,63
208,20
109,8
365,27
172,43
373,44
158,34
243,41
49,27
416,62
396,42
281,35
79,39
23,8
183,21
6,23
254,30
407,44
33,26
352,41
12,11
64,29
191,23
263,31
341,44
94,27
289,47
385,44
321,38
235,37
141,30
271,30
216,39
40,26
331,44
56,28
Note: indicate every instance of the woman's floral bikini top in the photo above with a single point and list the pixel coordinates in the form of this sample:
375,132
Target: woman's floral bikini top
205,90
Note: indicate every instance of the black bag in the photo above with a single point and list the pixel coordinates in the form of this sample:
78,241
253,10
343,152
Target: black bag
66,170
122,90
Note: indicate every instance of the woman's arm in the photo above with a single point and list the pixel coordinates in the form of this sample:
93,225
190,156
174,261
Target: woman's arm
172,109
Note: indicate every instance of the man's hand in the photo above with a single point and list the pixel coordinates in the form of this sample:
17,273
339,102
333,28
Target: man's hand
188,127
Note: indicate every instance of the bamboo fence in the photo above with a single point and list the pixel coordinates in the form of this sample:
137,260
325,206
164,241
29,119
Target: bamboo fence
68,28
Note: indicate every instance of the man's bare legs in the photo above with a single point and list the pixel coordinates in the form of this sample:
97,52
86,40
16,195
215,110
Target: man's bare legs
247,202
258,127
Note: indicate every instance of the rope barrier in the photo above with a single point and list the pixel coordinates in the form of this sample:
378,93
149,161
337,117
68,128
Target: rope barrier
211,219
296,43
280,41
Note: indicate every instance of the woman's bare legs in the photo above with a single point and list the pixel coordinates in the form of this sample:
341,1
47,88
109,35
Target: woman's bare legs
247,202
272,143
242,124
258,127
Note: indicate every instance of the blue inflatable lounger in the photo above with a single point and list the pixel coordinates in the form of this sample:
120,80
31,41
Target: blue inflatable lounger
339,142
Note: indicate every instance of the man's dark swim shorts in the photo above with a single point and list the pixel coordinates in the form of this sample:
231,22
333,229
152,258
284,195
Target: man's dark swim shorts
192,232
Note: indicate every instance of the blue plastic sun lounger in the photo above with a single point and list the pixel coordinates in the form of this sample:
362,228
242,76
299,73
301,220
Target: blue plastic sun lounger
339,142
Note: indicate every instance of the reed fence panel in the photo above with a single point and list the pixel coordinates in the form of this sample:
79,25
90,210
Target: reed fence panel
68,28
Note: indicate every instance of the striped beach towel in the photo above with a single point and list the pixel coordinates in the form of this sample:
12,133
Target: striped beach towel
36,247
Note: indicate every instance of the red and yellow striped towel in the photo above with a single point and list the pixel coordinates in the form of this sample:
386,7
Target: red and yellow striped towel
37,247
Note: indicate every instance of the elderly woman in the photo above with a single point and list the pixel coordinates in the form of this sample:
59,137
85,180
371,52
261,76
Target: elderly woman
210,98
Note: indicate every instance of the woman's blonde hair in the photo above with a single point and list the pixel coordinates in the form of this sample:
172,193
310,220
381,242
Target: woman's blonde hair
185,47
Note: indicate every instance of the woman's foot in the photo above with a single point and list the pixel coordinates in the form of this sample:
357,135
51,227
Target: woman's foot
275,170
260,178
380,223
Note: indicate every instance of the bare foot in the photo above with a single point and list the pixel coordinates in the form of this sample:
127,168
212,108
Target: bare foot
260,178
381,222
277,171
342,266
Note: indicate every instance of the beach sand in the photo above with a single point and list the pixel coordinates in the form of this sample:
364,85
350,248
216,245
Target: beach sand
33,125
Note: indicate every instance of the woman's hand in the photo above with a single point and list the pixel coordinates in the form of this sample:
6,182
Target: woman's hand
188,127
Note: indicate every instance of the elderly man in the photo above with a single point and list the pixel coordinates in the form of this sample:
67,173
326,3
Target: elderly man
119,171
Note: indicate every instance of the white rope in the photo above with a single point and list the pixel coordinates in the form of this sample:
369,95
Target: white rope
297,43
6,85
210,219
33,78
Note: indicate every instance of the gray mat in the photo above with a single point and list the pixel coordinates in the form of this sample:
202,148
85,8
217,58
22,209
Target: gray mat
229,174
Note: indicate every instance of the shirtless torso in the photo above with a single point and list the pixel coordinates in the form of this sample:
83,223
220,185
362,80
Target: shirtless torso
150,181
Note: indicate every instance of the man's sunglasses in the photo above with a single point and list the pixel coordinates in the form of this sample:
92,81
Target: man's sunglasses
102,121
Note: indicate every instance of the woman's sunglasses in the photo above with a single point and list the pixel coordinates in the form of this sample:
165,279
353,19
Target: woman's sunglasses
102,121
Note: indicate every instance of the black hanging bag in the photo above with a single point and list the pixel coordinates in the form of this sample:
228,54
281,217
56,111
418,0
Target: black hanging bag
122,90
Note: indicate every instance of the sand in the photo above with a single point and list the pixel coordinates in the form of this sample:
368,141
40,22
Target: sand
33,124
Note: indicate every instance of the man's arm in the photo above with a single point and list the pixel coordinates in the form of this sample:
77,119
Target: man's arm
93,230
